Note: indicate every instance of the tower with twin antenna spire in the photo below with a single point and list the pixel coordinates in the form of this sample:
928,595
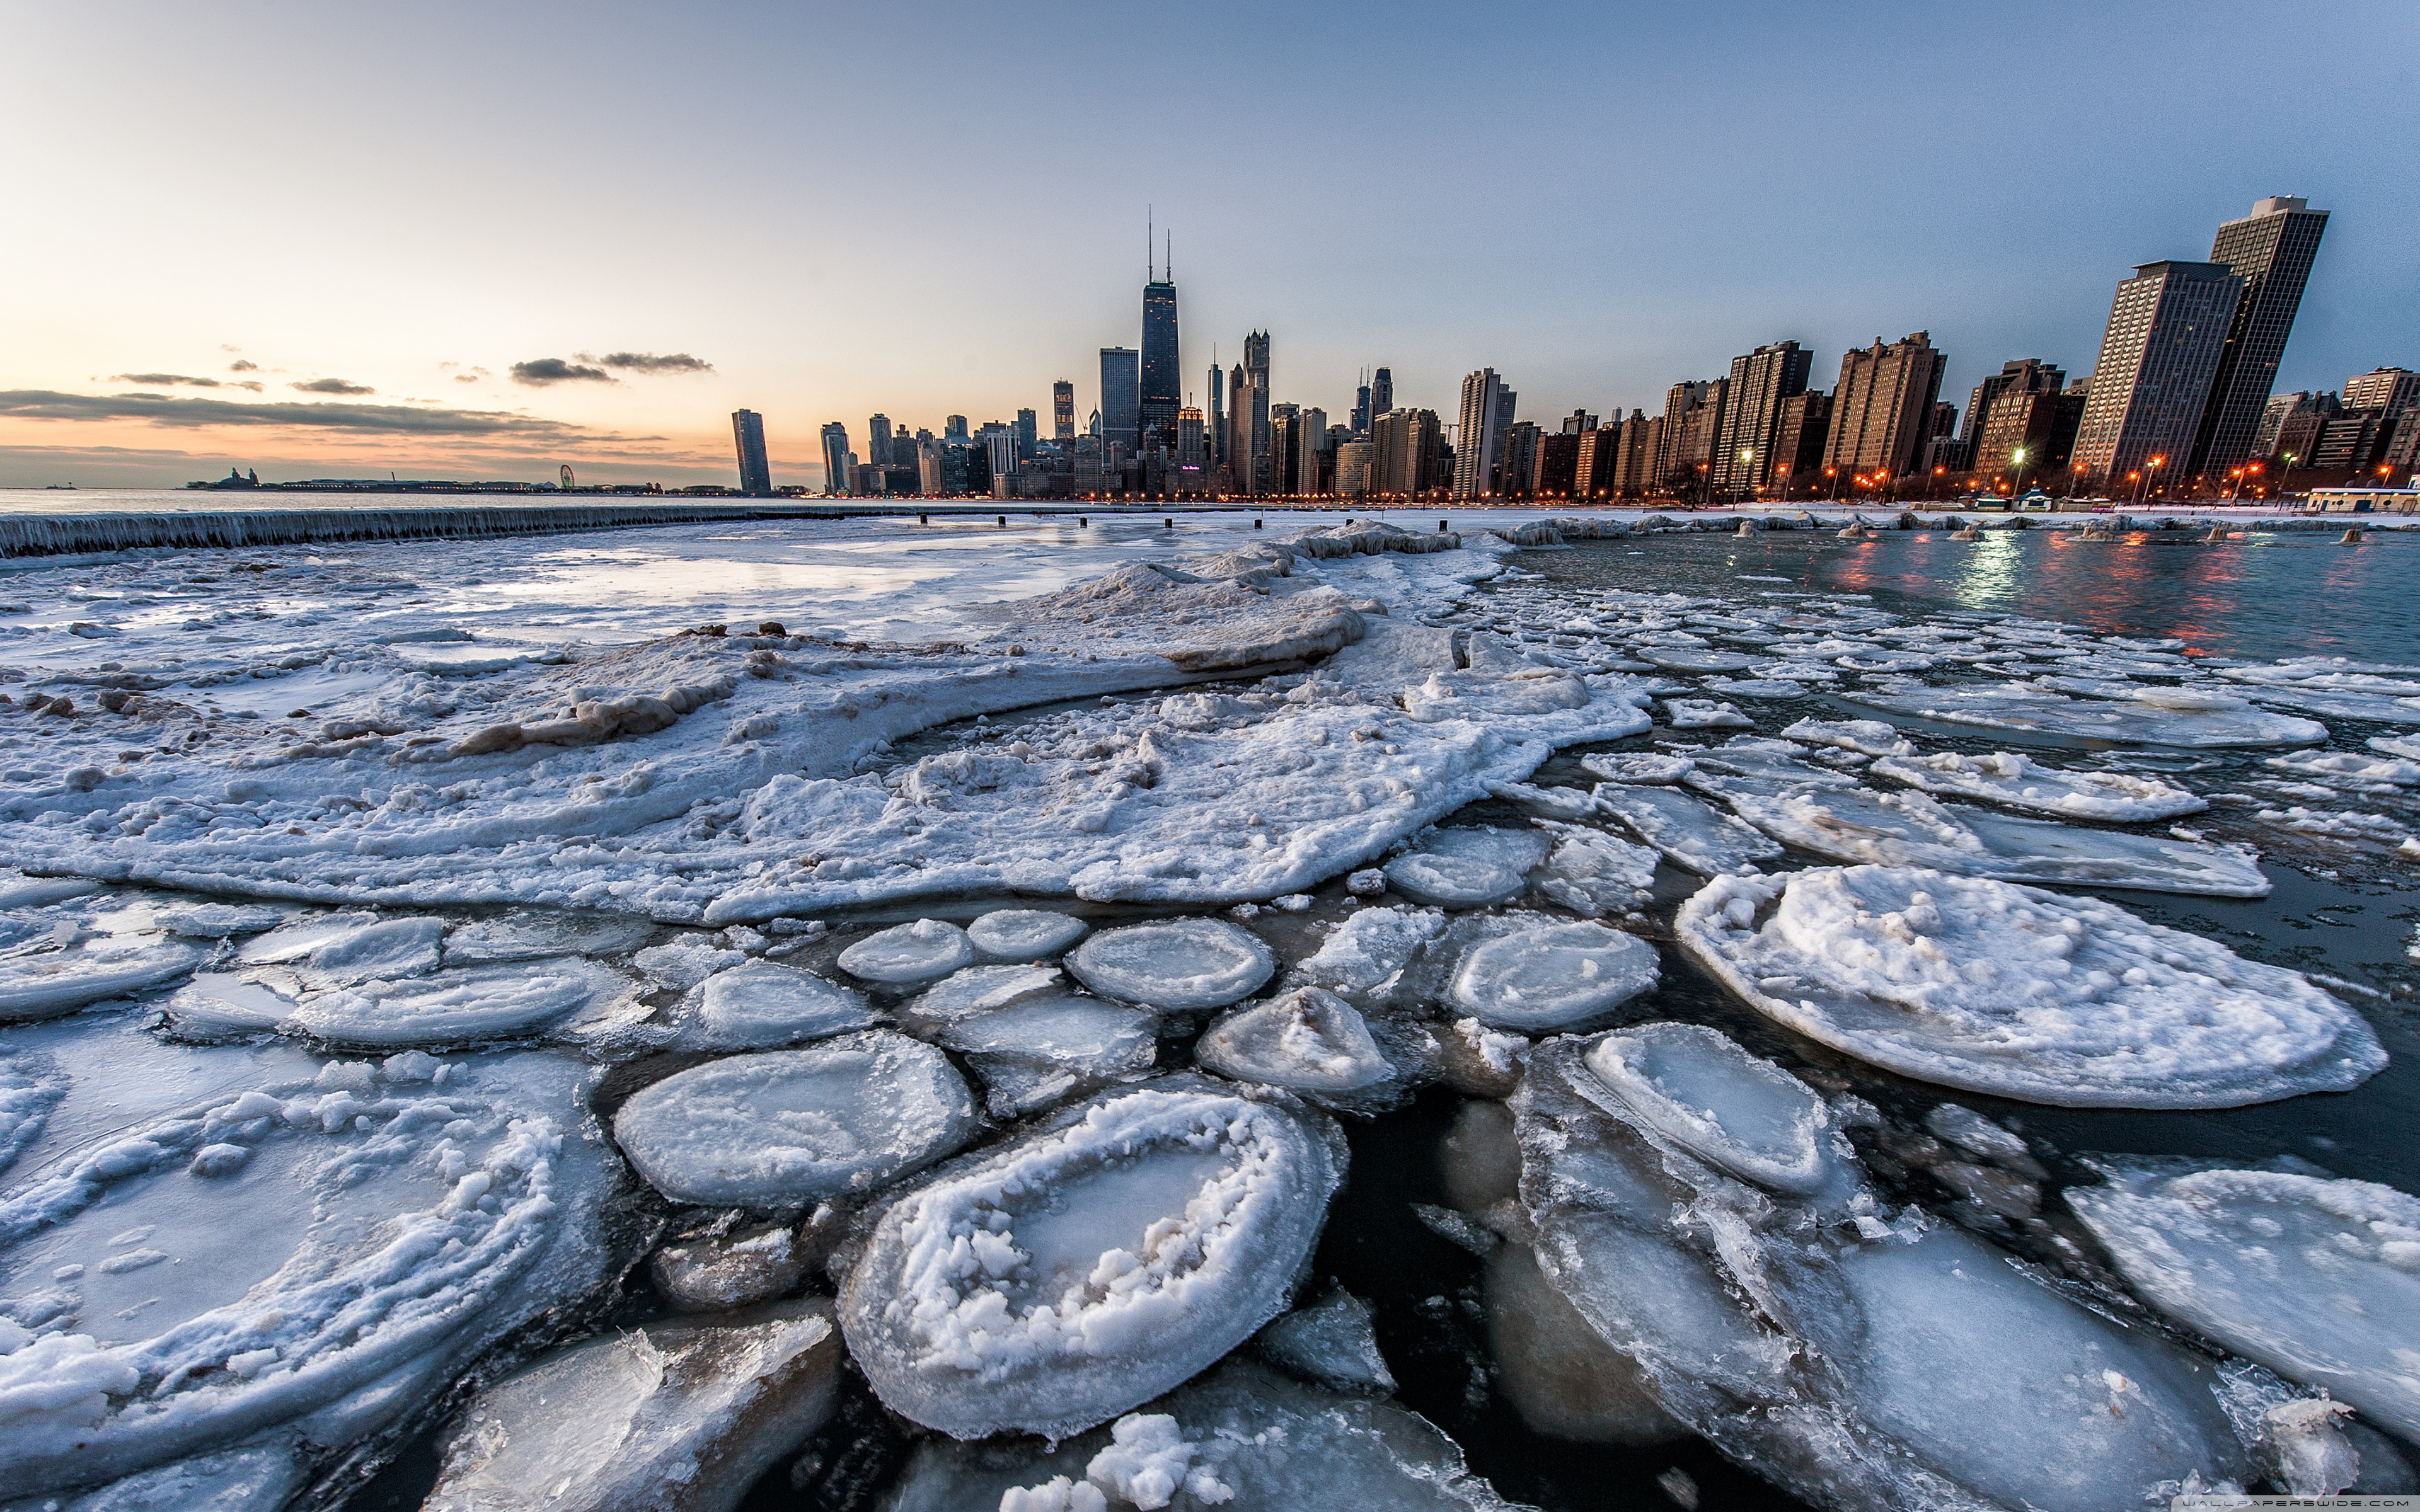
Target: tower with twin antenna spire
1163,377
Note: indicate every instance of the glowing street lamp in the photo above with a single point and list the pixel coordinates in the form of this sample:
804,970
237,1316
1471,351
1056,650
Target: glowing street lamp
2017,461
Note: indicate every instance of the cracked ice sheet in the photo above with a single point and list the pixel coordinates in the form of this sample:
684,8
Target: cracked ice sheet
767,734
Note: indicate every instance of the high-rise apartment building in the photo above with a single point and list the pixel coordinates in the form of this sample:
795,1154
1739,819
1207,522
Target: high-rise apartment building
954,430
1882,408
1121,417
1311,462
1487,409
877,440
1162,377
1354,466
1634,463
1405,444
2389,389
1578,422
1255,412
1516,459
2270,251
1760,381
1027,434
2159,355
1593,470
1692,419
1285,449
748,433
1382,392
2028,374
1238,444
1799,432
1191,443
836,458
1555,463
1214,435
1062,412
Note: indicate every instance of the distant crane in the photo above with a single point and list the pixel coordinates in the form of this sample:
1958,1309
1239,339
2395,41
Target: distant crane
566,477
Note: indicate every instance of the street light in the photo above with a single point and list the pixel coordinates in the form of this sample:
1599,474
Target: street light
2017,459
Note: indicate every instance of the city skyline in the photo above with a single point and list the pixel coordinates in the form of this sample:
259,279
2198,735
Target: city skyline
451,312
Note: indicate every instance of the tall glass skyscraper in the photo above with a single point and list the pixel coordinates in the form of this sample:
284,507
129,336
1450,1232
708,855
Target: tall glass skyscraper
2271,250
1120,419
748,432
1062,412
1162,390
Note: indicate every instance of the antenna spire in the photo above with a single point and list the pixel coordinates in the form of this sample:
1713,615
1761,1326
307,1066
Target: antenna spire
1170,270
1147,239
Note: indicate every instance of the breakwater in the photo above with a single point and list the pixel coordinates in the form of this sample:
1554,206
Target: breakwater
37,536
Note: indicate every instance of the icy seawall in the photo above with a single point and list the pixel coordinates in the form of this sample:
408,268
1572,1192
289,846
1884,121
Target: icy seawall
37,536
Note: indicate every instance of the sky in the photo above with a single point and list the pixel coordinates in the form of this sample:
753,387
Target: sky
484,240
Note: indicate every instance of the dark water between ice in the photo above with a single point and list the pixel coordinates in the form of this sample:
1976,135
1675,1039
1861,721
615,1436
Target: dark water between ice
2349,921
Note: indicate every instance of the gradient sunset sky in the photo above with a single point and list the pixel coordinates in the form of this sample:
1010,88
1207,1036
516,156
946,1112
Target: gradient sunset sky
320,240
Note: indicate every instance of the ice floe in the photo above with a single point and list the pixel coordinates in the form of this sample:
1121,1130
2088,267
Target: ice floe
2023,994
2017,781
1362,956
668,1417
1541,974
44,980
1704,714
230,1247
1870,736
1329,1343
788,1128
1175,966
905,954
2319,1280
1024,933
2151,717
1686,830
1592,872
1466,868
1045,1049
1075,1274
763,1005
1695,1086
1243,1436
1308,1041
472,1006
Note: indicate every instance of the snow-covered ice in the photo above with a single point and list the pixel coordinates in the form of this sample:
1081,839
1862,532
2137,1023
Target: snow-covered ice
219,1244
1686,829
984,990
1174,965
1055,1281
905,954
1329,1343
787,1128
1704,714
2151,716
1544,974
2017,781
669,1417
472,1006
1308,1041
2319,1280
763,1005
1024,933
1043,1049
1470,868
1870,736
2019,992
1362,956
1243,1436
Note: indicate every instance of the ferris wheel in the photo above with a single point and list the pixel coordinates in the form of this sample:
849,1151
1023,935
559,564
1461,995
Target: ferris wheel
566,477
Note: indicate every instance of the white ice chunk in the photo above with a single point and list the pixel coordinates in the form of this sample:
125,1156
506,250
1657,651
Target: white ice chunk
1686,830
1682,659
31,1085
1872,737
292,942
378,1236
764,1004
667,1417
389,949
1639,768
1592,872
2019,992
216,921
216,1003
1061,1029
1249,1437
1330,1342
2319,1280
682,963
984,990
1704,714
456,1008
1174,965
1308,1040
785,1128
1367,949
1695,1086
532,935
255,1477
1077,1272
1466,868
43,983
2351,767
905,954
1024,933
2153,717
1551,976
2016,782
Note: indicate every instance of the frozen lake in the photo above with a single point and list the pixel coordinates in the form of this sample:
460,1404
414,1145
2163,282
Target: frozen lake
1655,1017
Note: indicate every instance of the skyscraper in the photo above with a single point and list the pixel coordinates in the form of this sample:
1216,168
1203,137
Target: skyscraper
1239,446
836,479
2271,250
1693,422
1062,412
1121,422
1403,449
1214,430
1382,392
1360,421
1162,379
877,440
2017,407
1798,438
1285,449
2159,357
1882,410
954,430
1516,459
1634,465
1743,444
1487,408
2390,389
1027,433
756,473
1256,412
1592,472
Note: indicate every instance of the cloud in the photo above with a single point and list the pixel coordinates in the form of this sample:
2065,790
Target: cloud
473,375
254,387
540,371
366,418
162,380
244,365
651,363
331,386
